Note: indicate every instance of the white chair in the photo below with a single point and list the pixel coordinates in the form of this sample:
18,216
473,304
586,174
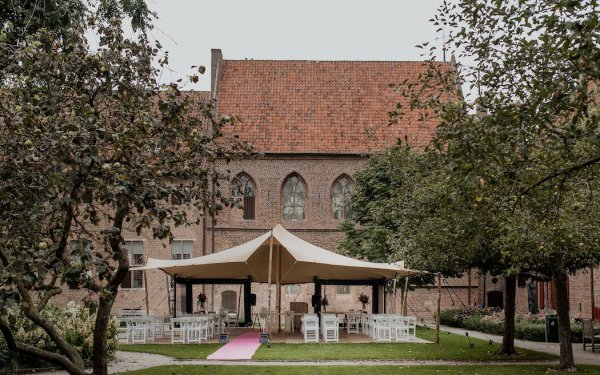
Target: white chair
330,327
123,330
353,325
381,328
138,330
197,330
178,327
399,328
310,328
364,323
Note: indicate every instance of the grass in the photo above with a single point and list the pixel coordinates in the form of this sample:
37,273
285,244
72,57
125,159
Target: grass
178,351
353,370
452,348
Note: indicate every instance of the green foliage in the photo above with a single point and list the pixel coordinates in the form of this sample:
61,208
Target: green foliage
75,324
92,146
526,152
392,220
530,328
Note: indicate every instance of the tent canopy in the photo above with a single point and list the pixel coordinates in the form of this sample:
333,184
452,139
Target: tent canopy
293,261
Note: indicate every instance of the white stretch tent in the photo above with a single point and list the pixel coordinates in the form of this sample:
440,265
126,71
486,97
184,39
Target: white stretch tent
290,259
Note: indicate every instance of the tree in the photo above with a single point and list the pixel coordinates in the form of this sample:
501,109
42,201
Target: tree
92,146
535,69
410,208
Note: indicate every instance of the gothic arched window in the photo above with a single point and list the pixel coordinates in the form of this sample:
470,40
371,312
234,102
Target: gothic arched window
294,198
342,191
243,187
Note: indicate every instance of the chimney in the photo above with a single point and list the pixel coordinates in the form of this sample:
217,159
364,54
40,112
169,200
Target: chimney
216,63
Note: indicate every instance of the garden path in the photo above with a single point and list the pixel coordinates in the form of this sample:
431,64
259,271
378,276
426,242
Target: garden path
582,357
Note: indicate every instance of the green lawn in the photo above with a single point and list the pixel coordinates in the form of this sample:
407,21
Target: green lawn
179,351
452,347
343,370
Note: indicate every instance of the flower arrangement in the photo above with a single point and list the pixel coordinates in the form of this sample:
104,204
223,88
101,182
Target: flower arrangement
363,298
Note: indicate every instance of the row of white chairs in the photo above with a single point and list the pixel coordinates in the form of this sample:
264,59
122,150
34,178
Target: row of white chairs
390,327
195,328
140,329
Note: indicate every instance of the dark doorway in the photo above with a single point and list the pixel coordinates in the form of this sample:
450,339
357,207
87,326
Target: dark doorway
495,299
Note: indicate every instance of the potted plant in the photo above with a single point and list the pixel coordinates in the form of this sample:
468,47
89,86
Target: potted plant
364,299
325,303
201,301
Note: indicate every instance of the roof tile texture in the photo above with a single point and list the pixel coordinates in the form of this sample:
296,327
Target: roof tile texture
337,107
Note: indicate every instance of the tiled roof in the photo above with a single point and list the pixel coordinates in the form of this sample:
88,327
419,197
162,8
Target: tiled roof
334,107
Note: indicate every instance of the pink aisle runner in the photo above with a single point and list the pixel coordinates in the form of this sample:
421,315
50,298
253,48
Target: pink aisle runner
241,347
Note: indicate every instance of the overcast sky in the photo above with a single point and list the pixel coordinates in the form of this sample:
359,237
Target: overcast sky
291,30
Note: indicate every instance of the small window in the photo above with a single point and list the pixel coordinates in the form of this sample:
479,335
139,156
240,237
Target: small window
294,198
135,250
182,249
293,289
181,195
342,191
343,289
243,187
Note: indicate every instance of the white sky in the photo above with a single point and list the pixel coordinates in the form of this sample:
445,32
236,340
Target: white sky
291,30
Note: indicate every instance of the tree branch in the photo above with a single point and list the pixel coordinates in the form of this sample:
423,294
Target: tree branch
566,171
19,347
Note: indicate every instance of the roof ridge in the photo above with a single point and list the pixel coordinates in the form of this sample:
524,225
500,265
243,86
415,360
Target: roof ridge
349,61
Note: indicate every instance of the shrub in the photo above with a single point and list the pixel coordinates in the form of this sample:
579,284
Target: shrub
75,324
527,327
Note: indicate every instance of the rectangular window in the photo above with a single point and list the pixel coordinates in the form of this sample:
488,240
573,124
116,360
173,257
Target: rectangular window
78,248
249,208
293,289
182,249
135,251
343,289
182,195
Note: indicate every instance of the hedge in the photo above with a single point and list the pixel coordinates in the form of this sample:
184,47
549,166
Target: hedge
491,322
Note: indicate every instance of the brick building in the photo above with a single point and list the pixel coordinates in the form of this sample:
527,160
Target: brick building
314,123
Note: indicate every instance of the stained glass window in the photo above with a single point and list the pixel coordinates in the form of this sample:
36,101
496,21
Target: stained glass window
343,188
294,198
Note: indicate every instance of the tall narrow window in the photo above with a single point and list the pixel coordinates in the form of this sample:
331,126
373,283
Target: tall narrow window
135,250
342,191
294,198
182,249
244,188
79,249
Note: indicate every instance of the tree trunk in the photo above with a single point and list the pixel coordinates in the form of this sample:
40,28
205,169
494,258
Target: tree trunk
510,291
567,362
99,360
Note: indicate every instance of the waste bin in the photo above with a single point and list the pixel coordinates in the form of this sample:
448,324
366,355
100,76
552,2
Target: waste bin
551,328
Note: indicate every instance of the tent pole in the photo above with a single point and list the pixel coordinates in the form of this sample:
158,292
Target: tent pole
268,324
146,290
405,303
175,296
437,315
394,297
278,292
